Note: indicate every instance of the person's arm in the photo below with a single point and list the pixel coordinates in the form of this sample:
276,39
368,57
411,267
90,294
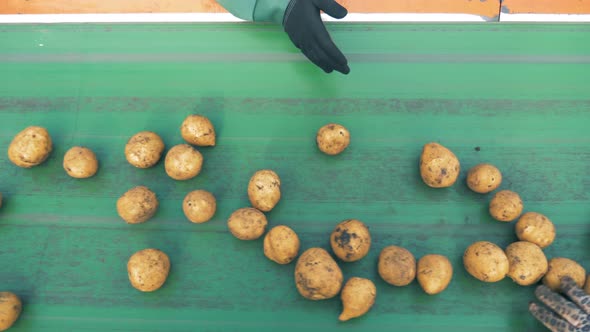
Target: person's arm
257,10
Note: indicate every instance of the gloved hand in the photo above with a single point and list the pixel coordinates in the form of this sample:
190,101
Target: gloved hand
303,24
565,315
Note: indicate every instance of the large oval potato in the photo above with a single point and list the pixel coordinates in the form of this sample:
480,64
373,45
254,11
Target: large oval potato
144,149
30,147
434,273
486,261
198,130
333,139
10,309
148,269
350,240
397,266
264,190
536,228
281,244
358,296
528,263
183,162
80,162
484,178
247,223
439,167
317,275
560,267
506,206
137,205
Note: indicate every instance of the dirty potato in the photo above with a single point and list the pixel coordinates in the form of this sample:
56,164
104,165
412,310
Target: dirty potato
397,266
137,205
10,309
439,167
281,244
536,228
527,261
484,178
183,162
486,261
199,206
317,275
30,147
247,223
332,139
148,269
358,296
350,240
198,130
264,190
506,206
144,149
80,162
434,273
560,267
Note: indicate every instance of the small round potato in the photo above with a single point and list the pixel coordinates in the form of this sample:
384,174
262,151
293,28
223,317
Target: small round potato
434,273
560,267
528,263
148,269
486,261
80,162
536,228
281,244
358,296
183,162
144,149
317,275
506,206
247,223
10,309
350,240
484,178
198,130
439,167
264,190
397,266
30,147
332,139
137,205
199,206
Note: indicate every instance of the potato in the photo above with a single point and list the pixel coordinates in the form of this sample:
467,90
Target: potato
439,167
486,261
199,206
137,205
317,275
198,130
434,273
183,162
247,223
358,296
397,266
144,149
484,178
527,261
535,228
506,206
80,162
10,309
30,147
333,139
587,286
281,244
560,267
148,269
264,190
350,240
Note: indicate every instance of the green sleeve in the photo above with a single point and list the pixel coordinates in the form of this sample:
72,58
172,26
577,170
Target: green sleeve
257,10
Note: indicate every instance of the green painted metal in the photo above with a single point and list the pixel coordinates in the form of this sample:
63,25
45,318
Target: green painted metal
520,93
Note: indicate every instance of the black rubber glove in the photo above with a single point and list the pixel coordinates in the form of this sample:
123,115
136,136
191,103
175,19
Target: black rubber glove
304,26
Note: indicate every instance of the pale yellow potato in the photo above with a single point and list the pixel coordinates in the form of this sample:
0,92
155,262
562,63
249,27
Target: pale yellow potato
30,147
484,178
10,309
397,266
506,206
247,224
264,190
333,139
148,269
527,261
439,167
137,205
281,244
350,240
317,275
198,130
144,149
434,273
80,162
199,206
536,228
560,267
358,296
486,261
183,162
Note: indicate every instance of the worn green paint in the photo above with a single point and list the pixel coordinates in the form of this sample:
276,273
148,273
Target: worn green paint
519,92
